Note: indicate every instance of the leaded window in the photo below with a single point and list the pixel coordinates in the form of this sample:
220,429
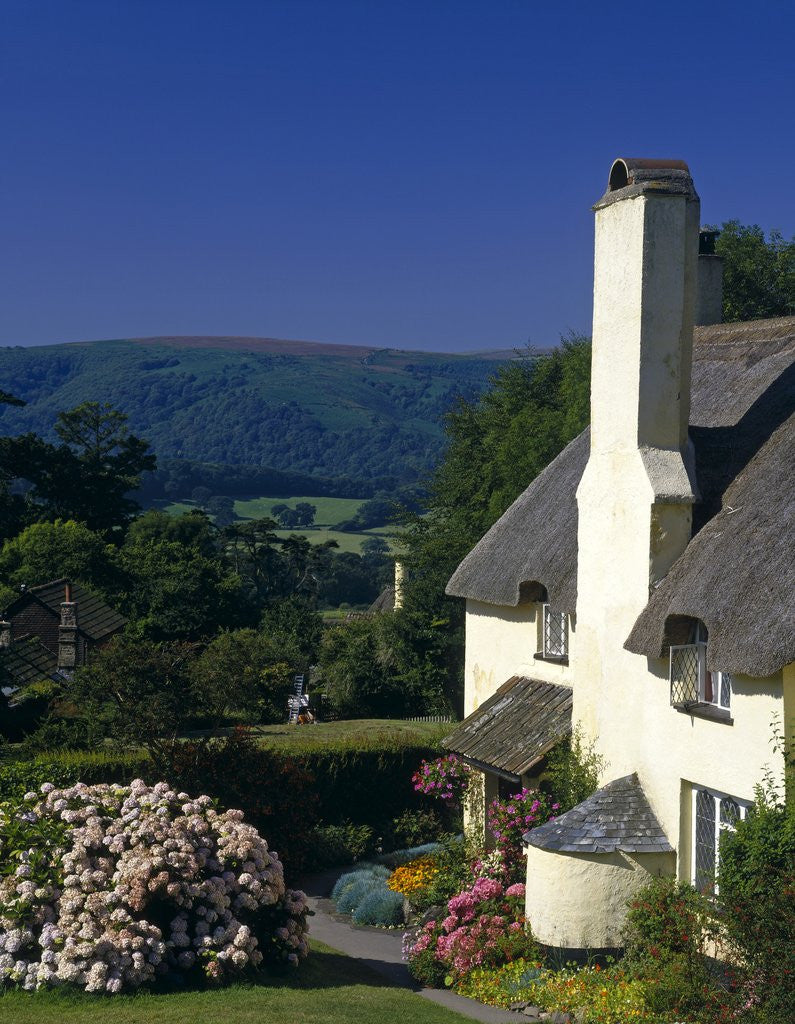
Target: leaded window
713,814
692,683
556,633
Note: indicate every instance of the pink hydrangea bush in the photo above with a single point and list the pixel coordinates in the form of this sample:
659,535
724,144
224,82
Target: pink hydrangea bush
445,778
110,887
484,927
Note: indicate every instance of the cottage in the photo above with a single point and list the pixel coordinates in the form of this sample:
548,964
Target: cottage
51,627
641,588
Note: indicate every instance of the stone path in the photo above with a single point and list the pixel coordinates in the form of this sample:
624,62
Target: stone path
381,950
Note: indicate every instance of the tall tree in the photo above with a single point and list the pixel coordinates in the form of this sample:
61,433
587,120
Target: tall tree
758,272
498,444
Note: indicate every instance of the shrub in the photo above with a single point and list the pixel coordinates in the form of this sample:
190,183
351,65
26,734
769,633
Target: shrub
756,885
110,887
484,927
668,926
364,895
413,827
277,793
380,907
340,844
68,767
454,864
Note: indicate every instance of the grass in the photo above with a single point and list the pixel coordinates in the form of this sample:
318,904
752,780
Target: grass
328,988
330,511
358,732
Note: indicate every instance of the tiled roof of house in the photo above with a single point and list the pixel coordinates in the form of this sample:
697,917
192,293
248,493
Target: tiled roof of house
511,731
617,817
742,424
95,619
27,661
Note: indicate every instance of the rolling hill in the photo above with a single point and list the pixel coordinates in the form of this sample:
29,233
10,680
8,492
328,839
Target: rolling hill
304,407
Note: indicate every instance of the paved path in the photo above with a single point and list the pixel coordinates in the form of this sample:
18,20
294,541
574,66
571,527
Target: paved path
381,950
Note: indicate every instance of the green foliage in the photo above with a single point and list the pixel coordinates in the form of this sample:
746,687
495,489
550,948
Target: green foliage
277,793
138,693
344,843
497,445
758,272
177,592
360,671
325,413
454,861
68,767
413,828
756,886
46,551
573,771
245,671
668,927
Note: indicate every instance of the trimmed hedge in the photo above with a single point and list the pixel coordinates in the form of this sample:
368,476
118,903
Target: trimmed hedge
284,796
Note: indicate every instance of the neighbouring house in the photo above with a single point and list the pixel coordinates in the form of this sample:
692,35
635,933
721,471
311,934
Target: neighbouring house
50,628
642,587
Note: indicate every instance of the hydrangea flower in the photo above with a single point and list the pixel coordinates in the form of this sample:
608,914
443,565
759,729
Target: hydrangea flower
109,887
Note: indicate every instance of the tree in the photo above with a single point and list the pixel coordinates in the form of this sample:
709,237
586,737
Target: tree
89,476
360,669
46,551
246,671
497,445
758,273
140,692
306,513
177,592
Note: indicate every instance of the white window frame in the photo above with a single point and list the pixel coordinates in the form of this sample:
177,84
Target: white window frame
562,650
720,827
721,681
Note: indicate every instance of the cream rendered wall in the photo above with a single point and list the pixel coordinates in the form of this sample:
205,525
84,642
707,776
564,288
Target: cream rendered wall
500,643
576,901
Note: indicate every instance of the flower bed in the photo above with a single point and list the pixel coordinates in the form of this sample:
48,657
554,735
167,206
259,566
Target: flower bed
602,996
414,876
111,887
484,926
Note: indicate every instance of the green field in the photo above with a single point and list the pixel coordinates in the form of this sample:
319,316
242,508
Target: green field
361,731
330,511
327,988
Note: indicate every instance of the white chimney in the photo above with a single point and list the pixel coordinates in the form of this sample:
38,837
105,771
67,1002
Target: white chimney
635,497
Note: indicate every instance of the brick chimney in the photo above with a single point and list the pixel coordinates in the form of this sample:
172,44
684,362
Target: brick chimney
400,579
67,631
709,301
5,634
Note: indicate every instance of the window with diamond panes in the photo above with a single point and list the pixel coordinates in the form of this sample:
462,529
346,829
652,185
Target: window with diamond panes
691,681
713,814
556,633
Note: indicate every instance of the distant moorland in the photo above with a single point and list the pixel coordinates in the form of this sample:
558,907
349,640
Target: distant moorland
306,409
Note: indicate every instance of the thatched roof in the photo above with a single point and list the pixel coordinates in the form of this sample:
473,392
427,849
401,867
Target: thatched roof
743,430
533,543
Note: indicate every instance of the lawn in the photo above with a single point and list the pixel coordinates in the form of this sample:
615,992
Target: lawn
328,988
359,731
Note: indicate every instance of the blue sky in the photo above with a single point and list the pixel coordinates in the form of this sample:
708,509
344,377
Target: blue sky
401,174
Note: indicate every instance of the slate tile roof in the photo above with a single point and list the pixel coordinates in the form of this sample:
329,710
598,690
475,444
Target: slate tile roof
617,817
27,661
512,730
94,618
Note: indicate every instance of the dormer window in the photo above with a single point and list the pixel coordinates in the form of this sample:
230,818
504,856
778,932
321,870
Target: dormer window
693,685
556,633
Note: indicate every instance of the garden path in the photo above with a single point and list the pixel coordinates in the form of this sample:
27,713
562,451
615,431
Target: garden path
382,950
